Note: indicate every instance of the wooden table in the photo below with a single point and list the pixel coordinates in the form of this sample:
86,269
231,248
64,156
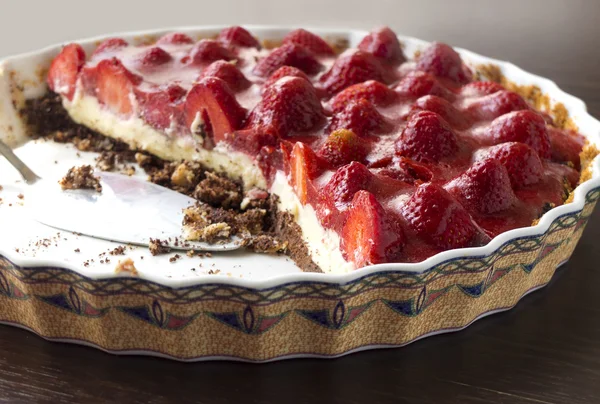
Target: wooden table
546,350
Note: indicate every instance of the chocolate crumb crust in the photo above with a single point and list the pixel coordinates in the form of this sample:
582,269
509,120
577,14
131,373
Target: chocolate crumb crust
253,216
81,178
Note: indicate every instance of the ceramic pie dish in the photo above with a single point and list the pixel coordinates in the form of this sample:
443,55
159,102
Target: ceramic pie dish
273,311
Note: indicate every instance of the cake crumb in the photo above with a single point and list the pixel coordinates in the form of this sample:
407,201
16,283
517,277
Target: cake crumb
219,191
120,250
190,253
214,272
158,247
174,258
81,178
77,250
198,226
264,243
21,196
127,265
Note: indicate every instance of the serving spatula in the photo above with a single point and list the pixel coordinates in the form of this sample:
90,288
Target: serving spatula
128,210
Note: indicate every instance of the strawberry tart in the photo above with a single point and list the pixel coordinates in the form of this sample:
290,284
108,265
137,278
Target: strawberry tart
378,156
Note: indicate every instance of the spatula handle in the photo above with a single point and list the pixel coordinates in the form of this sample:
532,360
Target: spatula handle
29,176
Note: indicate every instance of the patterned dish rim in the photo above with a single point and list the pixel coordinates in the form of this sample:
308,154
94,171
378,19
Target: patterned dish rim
31,67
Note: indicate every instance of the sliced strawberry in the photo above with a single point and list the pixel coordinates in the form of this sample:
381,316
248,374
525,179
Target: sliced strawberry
436,217
521,126
304,167
346,182
566,146
362,118
522,163
229,73
237,36
485,187
109,45
207,51
383,44
217,106
285,71
342,147
441,60
480,89
115,86
352,68
288,55
64,70
443,108
175,38
418,84
497,104
368,237
152,57
378,94
289,106
251,141
310,41
427,137
406,170
159,107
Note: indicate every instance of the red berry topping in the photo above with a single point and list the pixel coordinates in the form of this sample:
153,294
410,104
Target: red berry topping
287,107
362,118
497,104
288,55
237,36
438,218
368,237
522,163
159,107
285,71
110,45
407,170
114,84
229,73
383,44
485,187
207,51
352,68
346,182
378,94
175,38
310,41
418,84
443,108
427,137
566,146
304,166
213,101
152,57
442,61
342,147
63,72
480,89
521,126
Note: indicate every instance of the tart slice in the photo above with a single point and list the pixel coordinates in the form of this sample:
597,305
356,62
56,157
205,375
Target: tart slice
378,158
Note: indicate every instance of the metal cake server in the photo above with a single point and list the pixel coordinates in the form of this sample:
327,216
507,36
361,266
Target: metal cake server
128,210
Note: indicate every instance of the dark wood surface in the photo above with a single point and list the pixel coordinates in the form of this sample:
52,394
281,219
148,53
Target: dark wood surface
546,350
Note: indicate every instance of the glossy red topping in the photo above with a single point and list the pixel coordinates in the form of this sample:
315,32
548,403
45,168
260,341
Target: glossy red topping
402,159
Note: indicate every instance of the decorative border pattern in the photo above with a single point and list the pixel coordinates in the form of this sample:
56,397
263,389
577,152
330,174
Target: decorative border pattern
319,318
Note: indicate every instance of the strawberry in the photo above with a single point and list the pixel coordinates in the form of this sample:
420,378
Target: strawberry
285,71
522,163
346,182
480,89
115,85
289,106
368,237
110,45
427,137
251,140
304,167
521,126
485,187
444,109
342,147
383,44
496,104
418,84
310,41
159,107
436,217
362,118
288,55
378,94
229,73
406,170
217,106
207,51
152,57
352,68
64,70
237,36
442,61
175,38
566,146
